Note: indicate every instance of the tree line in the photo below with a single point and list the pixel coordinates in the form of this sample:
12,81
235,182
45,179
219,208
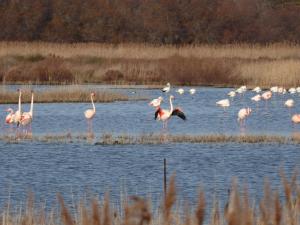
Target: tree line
150,21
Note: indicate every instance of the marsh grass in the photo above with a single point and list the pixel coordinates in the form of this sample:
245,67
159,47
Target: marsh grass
218,65
150,139
71,94
239,210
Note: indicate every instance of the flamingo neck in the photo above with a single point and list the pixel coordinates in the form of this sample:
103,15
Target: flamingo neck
19,106
31,105
94,108
171,105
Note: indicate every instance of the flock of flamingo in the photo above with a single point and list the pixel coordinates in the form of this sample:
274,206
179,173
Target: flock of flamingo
260,95
24,119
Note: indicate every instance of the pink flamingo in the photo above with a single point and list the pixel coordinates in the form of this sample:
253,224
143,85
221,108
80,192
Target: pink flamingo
296,118
156,102
10,118
164,115
90,113
243,114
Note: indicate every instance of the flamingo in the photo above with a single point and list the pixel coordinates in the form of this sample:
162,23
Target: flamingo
292,90
167,88
156,102
240,91
231,94
289,103
296,118
164,115
90,113
26,117
9,119
192,91
180,91
18,113
256,98
257,89
274,89
223,103
266,95
244,113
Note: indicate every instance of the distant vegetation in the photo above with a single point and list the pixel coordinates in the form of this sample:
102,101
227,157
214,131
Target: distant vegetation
158,22
240,209
66,94
152,139
218,65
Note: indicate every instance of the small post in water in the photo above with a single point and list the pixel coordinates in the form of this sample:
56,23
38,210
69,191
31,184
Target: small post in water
165,177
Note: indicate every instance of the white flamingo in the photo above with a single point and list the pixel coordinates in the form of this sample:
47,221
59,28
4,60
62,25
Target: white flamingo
266,95
192,91
244,113
156,102
257,89
225,103
164,115
256,98
167,88
289,103
27,117
231,94
18,113
292,90
90,113
274,89
180,91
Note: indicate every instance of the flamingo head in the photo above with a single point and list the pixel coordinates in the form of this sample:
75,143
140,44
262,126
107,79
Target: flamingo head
9,110
93,94
168,84
31,91
171,97
160,98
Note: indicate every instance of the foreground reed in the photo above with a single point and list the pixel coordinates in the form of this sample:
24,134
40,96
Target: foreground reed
152,139
239,210
217,65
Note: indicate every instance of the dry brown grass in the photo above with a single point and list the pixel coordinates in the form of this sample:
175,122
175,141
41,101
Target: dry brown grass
239,210
220,65
147,51
66,94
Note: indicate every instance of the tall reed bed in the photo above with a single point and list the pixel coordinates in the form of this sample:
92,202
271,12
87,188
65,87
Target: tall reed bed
219,65
239,210
148,51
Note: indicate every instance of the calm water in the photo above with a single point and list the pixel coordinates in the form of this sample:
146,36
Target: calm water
75,169
136,117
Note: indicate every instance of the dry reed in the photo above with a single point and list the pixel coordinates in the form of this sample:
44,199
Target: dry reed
70,94
220,65
272,210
